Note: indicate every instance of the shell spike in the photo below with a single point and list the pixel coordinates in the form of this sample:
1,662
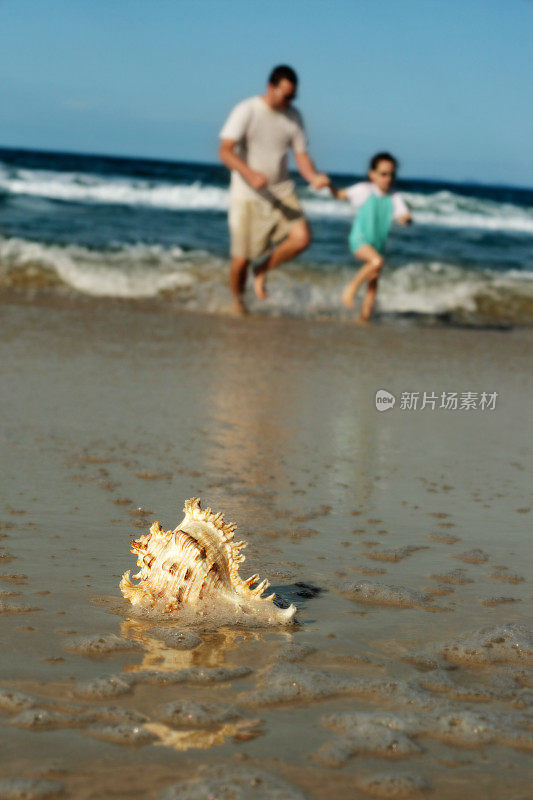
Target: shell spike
287,614
261,587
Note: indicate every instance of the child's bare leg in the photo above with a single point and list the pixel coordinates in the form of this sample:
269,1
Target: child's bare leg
369,300
373,262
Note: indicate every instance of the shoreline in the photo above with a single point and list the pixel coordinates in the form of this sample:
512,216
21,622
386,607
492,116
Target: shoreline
168,305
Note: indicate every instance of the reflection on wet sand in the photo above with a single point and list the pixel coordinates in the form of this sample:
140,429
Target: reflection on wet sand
211,650
248,401
243,730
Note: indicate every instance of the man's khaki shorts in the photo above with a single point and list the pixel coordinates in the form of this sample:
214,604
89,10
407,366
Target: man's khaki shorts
255,224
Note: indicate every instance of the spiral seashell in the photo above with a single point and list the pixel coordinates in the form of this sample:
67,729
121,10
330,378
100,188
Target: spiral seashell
196,563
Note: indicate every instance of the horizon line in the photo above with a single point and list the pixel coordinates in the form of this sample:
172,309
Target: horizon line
168,160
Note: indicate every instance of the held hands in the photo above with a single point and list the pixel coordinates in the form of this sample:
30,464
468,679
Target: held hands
405,220
257,180
320,180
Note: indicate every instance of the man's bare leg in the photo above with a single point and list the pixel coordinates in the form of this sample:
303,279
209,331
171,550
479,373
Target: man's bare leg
373,263
298,239
237,280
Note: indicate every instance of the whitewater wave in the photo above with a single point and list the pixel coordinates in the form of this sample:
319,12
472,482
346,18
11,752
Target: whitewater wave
443,209
136,271
198,281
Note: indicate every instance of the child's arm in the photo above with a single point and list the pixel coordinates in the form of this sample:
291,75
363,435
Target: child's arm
401,213
405,219
339,194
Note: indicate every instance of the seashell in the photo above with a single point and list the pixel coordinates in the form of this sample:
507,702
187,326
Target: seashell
197,564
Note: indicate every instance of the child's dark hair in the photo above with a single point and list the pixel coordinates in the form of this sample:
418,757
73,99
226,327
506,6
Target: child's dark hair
374,161
280,72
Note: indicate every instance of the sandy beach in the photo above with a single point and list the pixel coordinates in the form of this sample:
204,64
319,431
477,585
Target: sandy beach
401,536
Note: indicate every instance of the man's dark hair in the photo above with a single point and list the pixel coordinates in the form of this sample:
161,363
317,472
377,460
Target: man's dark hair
375,160
280,72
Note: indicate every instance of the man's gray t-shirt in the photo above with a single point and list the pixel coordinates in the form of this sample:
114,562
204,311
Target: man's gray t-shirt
264,136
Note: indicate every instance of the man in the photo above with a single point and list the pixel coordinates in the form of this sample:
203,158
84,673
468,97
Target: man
264,209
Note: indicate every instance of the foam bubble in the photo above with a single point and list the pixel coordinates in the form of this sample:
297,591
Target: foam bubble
511,678
16,579
397,554
54,717
286,682
123,733
368,737
295,652
456,577
14,608
500,600
233,783
350,722
445,538
506,577
423,662
111,714
464,727
12,700
110,686
177,639
475,556
100,645
381,594
187,713
455,725
510,643
197,675
44,719
29,789
115,685
393,785
439,681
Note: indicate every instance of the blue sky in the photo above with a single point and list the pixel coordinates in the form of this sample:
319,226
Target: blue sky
444,84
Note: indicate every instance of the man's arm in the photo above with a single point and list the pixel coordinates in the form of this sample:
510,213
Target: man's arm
307,170
228,157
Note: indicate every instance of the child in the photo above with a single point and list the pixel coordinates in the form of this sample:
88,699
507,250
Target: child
377,206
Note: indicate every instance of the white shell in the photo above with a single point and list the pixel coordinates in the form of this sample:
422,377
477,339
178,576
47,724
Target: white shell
196,562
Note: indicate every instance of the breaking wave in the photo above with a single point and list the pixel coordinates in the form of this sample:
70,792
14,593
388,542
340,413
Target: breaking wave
197,280
443,208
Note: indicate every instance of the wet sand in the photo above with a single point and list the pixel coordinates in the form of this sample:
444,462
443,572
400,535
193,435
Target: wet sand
401,536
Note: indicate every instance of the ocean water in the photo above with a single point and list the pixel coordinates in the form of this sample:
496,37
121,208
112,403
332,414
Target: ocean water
136,228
